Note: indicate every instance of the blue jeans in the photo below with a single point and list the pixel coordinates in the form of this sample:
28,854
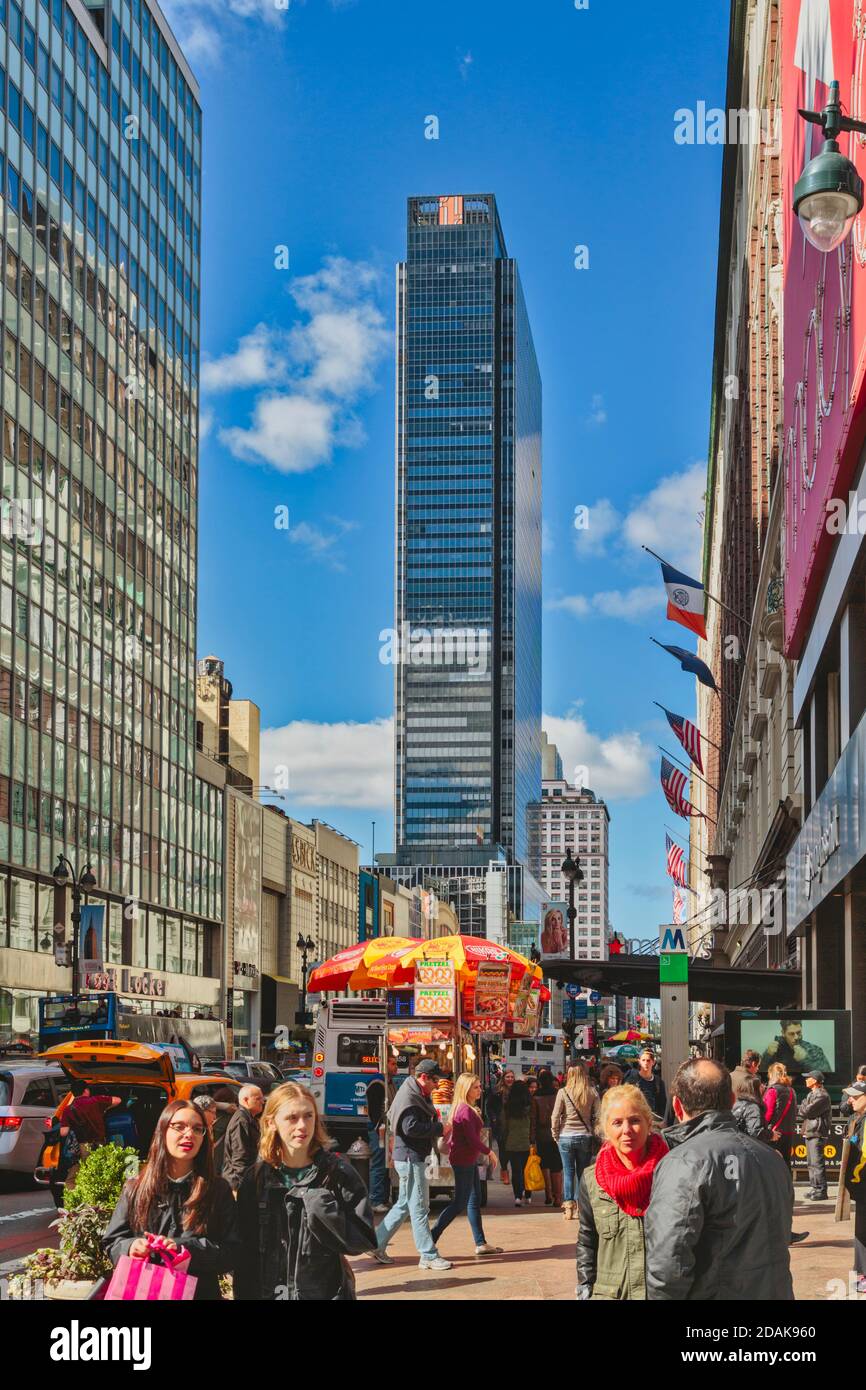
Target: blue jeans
467,1197
576,1151
413,1200
378,1169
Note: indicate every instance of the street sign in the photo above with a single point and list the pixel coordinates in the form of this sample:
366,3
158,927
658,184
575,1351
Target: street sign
674,968
581,1009
573,991
594,997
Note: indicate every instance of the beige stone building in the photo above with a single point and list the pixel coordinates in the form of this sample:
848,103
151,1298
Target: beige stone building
227,730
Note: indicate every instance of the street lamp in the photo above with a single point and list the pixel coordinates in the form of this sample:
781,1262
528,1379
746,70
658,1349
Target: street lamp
305,946
572,871
829,193
65,875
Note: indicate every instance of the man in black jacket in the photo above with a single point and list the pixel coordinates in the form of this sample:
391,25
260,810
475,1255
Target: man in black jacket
719,1219
815,1112
241,1144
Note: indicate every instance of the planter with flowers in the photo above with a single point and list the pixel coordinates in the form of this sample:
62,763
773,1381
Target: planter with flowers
72,1271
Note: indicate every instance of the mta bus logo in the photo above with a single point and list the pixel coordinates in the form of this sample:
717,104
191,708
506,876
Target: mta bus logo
672,939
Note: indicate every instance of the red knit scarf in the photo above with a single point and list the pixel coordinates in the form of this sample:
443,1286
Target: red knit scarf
629,1187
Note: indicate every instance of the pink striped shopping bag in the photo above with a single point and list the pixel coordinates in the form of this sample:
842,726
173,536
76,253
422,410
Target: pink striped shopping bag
142,1281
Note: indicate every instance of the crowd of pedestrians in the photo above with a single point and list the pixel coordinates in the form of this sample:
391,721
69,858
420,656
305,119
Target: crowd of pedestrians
697,1209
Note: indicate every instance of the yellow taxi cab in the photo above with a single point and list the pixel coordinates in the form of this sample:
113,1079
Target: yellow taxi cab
146,1076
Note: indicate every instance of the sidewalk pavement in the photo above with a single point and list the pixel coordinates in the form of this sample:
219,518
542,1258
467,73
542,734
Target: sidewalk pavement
539,1259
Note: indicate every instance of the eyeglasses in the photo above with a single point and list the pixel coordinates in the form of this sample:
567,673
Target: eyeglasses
178,1127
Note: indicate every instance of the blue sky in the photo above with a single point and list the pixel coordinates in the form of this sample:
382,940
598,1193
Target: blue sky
314,136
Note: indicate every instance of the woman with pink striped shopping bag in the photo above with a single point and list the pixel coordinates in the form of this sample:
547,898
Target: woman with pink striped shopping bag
174,1230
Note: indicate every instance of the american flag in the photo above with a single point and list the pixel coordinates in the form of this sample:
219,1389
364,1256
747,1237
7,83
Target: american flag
689,736
679,906
673,786
676,862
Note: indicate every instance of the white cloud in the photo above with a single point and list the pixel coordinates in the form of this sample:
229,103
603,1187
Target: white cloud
205,425
631,604
201,26
292,433
618,766
594,526
667,518
258,359
576,604
319,544
597,415
325,362
464,64
343,764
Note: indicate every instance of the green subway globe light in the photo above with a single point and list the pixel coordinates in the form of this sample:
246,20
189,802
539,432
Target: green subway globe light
827,197
829,193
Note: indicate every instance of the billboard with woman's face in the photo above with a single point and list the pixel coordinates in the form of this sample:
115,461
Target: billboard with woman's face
554,931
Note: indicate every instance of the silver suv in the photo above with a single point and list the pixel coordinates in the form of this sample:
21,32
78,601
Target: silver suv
29,1094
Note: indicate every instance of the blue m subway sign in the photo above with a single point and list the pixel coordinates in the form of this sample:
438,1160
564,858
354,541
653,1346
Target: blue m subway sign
672,939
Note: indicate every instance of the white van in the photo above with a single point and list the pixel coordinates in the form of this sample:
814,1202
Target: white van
528,1054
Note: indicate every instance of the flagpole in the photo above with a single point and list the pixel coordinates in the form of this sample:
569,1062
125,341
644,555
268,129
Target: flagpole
703,736
689,770
732,611
679,837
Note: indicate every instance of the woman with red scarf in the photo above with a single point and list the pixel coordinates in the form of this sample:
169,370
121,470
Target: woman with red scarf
614,1194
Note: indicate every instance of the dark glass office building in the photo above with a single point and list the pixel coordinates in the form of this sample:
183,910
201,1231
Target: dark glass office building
468,568
100,160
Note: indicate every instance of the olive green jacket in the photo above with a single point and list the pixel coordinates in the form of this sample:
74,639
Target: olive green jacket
611,1261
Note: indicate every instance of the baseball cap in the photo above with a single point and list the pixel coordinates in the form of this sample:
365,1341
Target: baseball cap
814,1076
428,1067
858,1088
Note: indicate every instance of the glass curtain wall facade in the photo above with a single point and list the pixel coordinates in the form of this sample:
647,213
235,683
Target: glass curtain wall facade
468,566
100,174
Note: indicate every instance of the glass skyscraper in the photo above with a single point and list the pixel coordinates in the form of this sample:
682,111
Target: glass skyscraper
100,173
468,566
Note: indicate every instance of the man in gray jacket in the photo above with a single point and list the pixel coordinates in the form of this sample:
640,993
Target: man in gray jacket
415,1125
719,1219
815,1113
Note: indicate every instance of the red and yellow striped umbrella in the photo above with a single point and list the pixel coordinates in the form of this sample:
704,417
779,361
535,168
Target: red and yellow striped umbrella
349,969
467,952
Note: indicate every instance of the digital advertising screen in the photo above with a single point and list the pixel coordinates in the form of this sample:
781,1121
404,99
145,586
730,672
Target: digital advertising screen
811,1040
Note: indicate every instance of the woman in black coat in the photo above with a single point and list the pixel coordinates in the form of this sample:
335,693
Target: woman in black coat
301,1208
177,1195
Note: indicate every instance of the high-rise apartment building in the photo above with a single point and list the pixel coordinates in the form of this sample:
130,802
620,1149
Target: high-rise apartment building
573,817
468,573
100,161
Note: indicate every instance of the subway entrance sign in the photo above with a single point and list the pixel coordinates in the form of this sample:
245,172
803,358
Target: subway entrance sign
673,968
673,956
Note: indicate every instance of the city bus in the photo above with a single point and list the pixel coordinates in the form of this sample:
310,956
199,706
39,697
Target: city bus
103,1015
529,1054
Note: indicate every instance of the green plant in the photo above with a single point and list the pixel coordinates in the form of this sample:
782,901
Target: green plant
100,1178
90,1203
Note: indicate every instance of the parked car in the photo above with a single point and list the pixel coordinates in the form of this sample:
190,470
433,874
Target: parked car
296,1074
29,1094
251,1072
141,1074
